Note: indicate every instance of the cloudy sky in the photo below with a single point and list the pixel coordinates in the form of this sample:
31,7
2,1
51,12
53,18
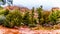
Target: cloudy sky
47,4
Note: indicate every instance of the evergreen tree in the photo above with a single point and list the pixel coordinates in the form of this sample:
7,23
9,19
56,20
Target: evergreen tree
33,20
39,11
32,15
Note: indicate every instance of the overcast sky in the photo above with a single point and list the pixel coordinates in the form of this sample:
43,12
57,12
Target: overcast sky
47,4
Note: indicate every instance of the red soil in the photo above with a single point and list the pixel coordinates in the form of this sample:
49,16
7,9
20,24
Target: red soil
4,30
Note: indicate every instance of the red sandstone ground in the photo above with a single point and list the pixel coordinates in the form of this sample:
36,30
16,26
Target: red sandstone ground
4,30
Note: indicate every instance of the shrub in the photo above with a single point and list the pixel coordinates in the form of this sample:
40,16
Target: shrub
29,19
2,18
14,18
26,18
54,16
4,11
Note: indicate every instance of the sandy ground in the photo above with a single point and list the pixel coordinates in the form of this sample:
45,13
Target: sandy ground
4,30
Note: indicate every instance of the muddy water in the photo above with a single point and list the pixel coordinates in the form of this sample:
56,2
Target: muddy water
4,30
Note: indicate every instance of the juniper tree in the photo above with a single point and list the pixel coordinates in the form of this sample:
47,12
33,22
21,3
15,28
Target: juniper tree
33,20
32,15
39,11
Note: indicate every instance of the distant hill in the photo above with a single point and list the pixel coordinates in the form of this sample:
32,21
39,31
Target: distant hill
16,7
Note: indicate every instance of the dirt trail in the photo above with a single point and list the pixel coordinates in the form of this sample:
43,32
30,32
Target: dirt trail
4,30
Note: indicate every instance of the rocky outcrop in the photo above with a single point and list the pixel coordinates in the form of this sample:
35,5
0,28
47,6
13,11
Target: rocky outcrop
15,7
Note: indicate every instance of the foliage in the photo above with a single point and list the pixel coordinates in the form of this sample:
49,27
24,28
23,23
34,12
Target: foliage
54,16
4,11
2,18
45,19
14,18
26,18
29,19
39,11
33,19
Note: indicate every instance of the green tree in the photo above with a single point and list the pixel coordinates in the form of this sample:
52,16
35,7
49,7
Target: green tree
33,20
39,11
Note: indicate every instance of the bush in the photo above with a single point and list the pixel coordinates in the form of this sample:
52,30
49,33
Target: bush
4,11
2,18
26,18
54,16
29,19
14,18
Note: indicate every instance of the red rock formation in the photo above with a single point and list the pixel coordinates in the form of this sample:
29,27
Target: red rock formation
55,8
23,9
